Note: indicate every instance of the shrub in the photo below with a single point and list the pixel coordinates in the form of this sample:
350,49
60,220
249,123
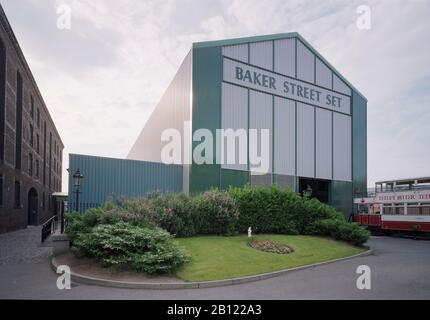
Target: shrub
342,230
172,212
107,213
126,245
216,212
267,210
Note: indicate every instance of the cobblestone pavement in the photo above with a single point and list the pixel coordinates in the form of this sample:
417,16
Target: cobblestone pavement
23,246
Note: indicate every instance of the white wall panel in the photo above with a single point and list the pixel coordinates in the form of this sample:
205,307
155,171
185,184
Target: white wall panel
323,146
341,147
305,63
285,136
234,115
260,109
323,75
238,52
176,103
340,86
261,54
285,57
305,141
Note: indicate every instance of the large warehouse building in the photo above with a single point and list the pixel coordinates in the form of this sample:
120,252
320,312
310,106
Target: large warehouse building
315,119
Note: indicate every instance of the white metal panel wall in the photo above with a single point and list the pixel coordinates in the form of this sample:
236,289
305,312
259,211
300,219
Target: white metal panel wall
285,136
285,57
340,86
261,54
323,147
323,75
305,63
305,140
234,115
238,52
176,103
342,147
260,117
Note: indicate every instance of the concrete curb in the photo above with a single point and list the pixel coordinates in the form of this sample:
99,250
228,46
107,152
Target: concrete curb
76,277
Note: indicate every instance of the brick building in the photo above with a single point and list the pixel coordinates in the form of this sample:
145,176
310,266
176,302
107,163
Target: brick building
30,146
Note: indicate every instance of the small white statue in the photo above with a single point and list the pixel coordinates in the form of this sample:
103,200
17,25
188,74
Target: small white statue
249,232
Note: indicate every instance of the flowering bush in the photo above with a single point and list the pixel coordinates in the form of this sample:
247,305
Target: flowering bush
216,213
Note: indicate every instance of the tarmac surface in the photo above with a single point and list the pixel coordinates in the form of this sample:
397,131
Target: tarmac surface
400,269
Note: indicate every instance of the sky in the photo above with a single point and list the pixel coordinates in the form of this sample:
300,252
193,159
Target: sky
102,78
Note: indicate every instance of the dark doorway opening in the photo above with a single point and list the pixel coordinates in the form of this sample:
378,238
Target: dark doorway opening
32,206
319,189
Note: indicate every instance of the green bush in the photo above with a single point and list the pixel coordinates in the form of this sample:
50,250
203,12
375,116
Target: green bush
265,209
108,213
126,245
342,230
216,212
172,212
277,210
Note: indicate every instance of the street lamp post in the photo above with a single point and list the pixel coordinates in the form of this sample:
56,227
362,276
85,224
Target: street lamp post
77,178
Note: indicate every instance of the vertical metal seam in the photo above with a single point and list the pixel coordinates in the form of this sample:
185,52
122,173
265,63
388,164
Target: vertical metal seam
295,62
296,180
273,117
220,119
332,146
273,139
315,142
249,115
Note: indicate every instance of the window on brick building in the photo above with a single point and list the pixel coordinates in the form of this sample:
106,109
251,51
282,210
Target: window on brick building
37,168
30,164
32,107
31,136
38,144
38,117
17,194
18,121
2,92
1,191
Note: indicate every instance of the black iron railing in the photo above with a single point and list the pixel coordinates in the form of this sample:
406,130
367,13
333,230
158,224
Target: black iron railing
49,228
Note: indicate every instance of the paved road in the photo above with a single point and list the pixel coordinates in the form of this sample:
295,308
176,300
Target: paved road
400,270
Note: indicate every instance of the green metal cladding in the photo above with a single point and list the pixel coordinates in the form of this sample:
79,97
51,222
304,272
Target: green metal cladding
108,177
206,111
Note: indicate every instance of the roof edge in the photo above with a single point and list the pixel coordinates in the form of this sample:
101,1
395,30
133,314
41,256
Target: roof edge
276,36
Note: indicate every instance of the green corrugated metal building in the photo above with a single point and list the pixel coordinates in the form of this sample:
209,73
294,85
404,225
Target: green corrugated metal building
315,119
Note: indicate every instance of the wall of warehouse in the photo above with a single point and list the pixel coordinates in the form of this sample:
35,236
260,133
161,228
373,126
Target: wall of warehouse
173,110
106,178
306,140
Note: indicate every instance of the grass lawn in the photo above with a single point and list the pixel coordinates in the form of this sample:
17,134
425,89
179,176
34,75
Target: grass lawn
215,258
